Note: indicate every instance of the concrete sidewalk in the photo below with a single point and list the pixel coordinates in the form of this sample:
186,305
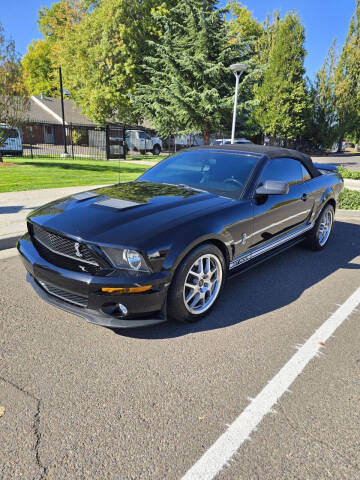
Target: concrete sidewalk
15,206
352,184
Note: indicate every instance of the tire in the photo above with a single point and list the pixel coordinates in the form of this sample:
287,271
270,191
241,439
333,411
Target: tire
207,294
156,150
142,152
316,240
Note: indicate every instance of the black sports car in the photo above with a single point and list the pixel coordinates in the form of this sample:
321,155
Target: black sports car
137,253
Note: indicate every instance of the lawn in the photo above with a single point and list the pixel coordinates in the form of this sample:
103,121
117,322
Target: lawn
36,173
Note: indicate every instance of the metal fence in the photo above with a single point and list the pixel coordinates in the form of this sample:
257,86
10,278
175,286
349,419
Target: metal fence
43,139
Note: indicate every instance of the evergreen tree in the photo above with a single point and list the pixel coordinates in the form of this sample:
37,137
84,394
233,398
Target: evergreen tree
282,96
348,82
322,129
191,87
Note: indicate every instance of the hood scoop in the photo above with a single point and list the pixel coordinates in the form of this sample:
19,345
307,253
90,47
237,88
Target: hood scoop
84,195
116,203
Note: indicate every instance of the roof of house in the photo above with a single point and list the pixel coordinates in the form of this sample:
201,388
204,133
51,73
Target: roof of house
47,109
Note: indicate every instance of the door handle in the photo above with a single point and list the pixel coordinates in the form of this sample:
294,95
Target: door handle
304,197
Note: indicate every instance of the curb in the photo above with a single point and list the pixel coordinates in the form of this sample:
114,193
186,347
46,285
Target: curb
340,212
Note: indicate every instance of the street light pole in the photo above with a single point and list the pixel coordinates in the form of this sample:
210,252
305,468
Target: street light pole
238,69
65,154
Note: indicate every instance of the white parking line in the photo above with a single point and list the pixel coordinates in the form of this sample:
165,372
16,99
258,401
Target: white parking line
214,459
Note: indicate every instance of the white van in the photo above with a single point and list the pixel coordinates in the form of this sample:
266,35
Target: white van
13,142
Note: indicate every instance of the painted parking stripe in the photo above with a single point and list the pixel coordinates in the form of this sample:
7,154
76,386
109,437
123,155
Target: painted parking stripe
216,457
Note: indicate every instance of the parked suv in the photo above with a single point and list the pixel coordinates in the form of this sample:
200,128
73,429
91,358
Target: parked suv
13,142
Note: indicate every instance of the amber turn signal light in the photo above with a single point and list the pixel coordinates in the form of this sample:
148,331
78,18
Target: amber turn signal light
127,290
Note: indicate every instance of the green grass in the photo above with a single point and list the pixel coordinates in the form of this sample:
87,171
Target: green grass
34,174
349,199
345,173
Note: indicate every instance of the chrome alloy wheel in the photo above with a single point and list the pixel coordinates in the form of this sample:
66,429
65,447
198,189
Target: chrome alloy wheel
325,227
202,284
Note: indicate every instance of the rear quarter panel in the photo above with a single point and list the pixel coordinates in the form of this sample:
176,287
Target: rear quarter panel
324,188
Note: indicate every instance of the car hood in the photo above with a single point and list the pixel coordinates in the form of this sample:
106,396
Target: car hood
126,214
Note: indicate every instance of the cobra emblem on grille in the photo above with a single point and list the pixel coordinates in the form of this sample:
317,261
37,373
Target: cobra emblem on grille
77,249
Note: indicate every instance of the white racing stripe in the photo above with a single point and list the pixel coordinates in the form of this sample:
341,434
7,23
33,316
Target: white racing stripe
214,459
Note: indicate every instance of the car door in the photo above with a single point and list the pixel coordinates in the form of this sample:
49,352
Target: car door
148,142
277,215
141,141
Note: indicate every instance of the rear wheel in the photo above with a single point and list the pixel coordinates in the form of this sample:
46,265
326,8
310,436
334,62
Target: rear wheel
197,284
318,237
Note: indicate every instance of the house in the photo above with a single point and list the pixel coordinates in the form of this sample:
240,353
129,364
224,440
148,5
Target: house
44,125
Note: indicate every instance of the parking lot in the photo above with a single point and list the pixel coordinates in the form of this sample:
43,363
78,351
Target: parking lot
85,402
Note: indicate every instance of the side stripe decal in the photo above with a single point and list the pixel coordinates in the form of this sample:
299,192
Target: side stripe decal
245,257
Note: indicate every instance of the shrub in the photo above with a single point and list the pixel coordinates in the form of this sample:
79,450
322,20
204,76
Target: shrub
349,199
345,173
76,136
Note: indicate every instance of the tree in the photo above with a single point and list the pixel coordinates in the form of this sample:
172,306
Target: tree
323,127
41,62
282,96
13,105
348,82
102,56
248,35
39,73
191,87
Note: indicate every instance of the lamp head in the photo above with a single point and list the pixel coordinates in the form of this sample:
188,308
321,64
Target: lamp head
239,67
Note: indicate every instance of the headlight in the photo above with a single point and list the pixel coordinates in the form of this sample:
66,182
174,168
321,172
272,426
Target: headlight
128,259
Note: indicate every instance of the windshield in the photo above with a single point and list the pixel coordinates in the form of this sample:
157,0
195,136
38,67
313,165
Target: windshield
220,172
9,132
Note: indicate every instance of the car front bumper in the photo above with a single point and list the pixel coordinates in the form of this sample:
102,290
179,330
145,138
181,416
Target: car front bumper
148,308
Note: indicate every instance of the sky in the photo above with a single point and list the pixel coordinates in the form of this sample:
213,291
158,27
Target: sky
323,20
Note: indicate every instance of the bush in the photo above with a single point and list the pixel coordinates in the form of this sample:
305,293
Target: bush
76,136
345,173
349,199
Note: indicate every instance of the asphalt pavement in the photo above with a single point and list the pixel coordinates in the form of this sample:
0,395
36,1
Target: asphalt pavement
85,402
348,160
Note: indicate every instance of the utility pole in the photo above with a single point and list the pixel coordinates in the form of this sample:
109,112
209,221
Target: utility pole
65,154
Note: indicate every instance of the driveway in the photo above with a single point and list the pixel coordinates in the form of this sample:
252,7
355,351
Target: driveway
85,402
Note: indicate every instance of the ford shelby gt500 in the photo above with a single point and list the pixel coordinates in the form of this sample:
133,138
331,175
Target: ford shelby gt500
160,247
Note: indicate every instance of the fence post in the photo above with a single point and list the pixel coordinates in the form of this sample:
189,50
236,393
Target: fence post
31,142
107,142
124,142
71,140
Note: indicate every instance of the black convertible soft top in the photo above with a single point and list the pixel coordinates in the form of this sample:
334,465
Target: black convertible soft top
270,152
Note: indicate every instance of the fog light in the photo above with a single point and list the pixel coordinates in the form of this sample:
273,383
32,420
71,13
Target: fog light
122,309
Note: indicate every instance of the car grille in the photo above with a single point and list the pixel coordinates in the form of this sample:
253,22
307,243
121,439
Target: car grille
64,246
64,295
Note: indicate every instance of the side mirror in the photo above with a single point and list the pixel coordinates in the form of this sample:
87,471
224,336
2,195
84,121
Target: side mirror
272,187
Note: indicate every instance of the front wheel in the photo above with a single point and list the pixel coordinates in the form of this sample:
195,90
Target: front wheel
197,284
318,237
156,150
